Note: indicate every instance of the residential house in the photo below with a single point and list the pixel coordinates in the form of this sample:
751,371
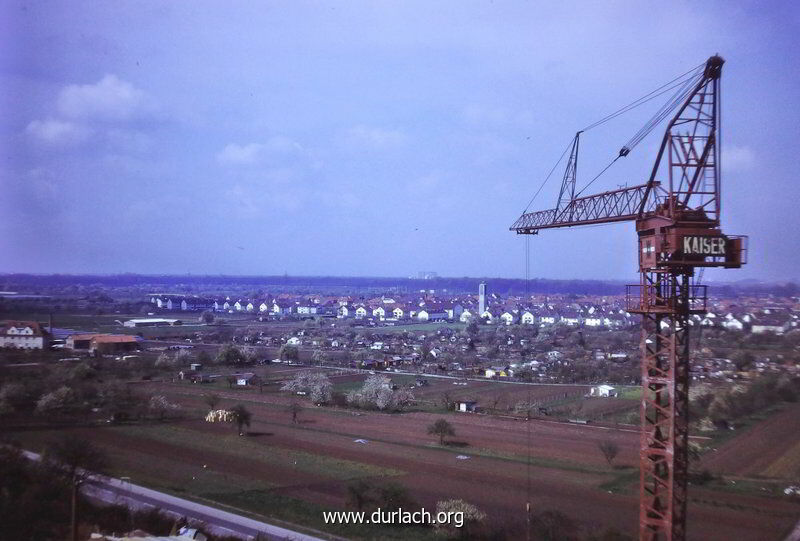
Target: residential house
508,317
23,335
732,323
773,322
282,307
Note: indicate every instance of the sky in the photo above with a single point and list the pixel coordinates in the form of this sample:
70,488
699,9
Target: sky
370,138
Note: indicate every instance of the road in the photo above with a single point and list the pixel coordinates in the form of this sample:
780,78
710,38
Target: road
120,491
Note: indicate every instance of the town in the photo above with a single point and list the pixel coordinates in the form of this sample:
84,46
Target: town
414,354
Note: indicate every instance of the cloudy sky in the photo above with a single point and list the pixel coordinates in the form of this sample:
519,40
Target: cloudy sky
368,138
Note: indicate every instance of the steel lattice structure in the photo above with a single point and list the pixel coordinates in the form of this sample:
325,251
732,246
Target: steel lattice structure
678,226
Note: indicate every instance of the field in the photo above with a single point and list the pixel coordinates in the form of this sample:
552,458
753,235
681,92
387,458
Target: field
294,471
561,401
769,449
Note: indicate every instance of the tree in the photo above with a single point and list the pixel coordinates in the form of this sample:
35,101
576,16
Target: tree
75,460
319,357
425,351
13,397
742,359
316,384
212,401
378,392
241,416
161,407
289,352
360,494
394,496
447,400
230,354
609,449
471,517
119,401
62,400
204,358
294,408
207,317
165,361
182,358
441,428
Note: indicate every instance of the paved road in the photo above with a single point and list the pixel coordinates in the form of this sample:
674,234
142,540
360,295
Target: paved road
118,491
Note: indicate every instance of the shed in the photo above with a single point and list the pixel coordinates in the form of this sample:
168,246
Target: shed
606,391
467,406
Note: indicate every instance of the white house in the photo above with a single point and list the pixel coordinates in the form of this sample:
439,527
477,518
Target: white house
466,315
508,317
547,319
398,312
361,312
281,307
732,323
22,335
710,320
593,321
571,319
527,318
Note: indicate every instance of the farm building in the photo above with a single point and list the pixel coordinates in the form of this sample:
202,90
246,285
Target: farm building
248,378
152,322
77,342
113,343
102,343
606,391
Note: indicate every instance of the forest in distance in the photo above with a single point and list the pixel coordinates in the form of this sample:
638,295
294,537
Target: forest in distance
42,283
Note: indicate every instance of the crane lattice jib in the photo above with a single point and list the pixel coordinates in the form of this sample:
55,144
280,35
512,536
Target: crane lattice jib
612,206
689,151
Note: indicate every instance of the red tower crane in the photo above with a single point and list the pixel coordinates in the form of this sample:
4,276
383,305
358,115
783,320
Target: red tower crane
677,215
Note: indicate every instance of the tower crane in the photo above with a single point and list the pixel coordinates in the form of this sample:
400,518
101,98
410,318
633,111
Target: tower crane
677,217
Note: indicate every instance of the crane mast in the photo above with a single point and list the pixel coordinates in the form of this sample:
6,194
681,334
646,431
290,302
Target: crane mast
677,216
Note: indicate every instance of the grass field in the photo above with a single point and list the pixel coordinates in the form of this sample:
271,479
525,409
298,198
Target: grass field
293,472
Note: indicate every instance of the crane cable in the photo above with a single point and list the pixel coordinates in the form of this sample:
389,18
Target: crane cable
548,177
644,99
684,87
677,82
